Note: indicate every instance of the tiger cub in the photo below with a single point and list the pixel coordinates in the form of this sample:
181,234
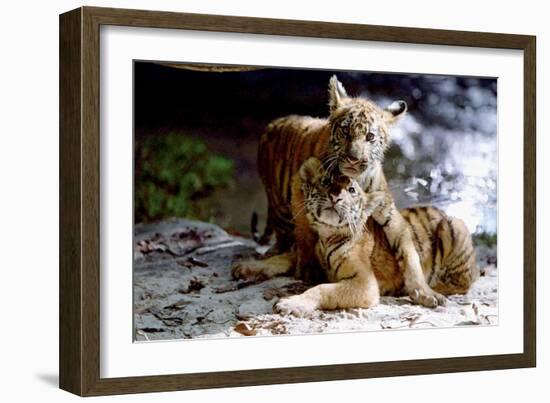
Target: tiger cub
353,138
355,254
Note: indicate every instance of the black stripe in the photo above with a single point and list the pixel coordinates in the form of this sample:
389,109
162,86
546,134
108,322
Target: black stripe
419,246
435,214
282,213
275,150
441,251
453,235
424,220
462,261
454,247
329,254
338,268
397,242
336,238
283,173
388,219
396,250
425,223
435,242
368,184
349,277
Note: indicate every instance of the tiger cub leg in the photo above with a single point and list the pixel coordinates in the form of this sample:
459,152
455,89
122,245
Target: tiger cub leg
277,224
455,265
360,290
399,235
307,265
263,269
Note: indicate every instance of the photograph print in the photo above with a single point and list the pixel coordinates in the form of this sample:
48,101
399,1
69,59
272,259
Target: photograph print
274,201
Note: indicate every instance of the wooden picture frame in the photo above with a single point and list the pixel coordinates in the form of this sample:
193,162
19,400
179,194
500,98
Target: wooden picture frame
79,346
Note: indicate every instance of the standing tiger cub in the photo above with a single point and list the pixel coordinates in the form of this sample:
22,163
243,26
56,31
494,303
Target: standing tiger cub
355,253
353,139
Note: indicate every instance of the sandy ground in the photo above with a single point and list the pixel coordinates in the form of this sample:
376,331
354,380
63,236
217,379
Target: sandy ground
183,289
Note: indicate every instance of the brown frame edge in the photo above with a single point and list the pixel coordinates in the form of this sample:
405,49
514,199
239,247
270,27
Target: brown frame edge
79,200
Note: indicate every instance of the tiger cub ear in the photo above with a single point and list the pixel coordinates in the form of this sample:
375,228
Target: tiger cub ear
311,170
394,111
336,93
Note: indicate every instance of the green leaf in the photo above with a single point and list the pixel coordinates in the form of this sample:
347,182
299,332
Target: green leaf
174,173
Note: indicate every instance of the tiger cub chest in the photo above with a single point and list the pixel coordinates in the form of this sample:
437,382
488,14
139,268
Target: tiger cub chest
332,254
371,180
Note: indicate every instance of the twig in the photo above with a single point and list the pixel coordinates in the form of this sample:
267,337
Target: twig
234,286
142,333
200,319
212,248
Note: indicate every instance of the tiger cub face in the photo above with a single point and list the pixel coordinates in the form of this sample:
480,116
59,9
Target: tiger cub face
360,130
335,202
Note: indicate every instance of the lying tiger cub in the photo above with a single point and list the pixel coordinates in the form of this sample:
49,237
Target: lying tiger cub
353,138
355,253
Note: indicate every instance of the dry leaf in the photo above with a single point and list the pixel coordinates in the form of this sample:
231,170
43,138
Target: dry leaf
152,246
190,262
194,285
176,306
234,286
226,288
245,329
184,263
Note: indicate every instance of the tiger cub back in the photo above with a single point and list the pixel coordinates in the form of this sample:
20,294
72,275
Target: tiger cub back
284,146
444,245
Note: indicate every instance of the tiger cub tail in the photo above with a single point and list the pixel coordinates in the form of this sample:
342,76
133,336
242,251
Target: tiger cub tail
455,258
264,238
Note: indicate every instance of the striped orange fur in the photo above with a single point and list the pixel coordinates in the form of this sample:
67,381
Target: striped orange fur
353,252
352,139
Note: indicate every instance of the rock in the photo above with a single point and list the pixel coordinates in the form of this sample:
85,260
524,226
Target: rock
183,289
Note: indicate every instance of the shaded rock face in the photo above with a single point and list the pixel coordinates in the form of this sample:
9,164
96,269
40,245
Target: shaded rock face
183,289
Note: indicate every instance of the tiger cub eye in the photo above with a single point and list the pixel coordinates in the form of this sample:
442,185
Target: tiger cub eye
370,136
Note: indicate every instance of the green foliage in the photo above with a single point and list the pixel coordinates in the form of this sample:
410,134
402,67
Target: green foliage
173,173
485,238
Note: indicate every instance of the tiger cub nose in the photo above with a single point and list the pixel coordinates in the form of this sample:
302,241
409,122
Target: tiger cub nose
335,198
352,160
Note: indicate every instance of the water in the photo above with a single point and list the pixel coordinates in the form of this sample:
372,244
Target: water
447,154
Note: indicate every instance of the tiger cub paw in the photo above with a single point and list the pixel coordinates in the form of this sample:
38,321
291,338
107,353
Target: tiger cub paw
250,270
427,297
297,305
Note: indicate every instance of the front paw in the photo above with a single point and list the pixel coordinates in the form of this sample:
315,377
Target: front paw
297,305
249,271
427,297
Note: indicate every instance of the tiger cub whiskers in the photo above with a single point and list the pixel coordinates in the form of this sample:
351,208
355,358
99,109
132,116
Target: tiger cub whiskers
338,210
336,202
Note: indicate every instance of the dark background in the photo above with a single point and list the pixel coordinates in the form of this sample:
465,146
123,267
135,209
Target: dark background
228,110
